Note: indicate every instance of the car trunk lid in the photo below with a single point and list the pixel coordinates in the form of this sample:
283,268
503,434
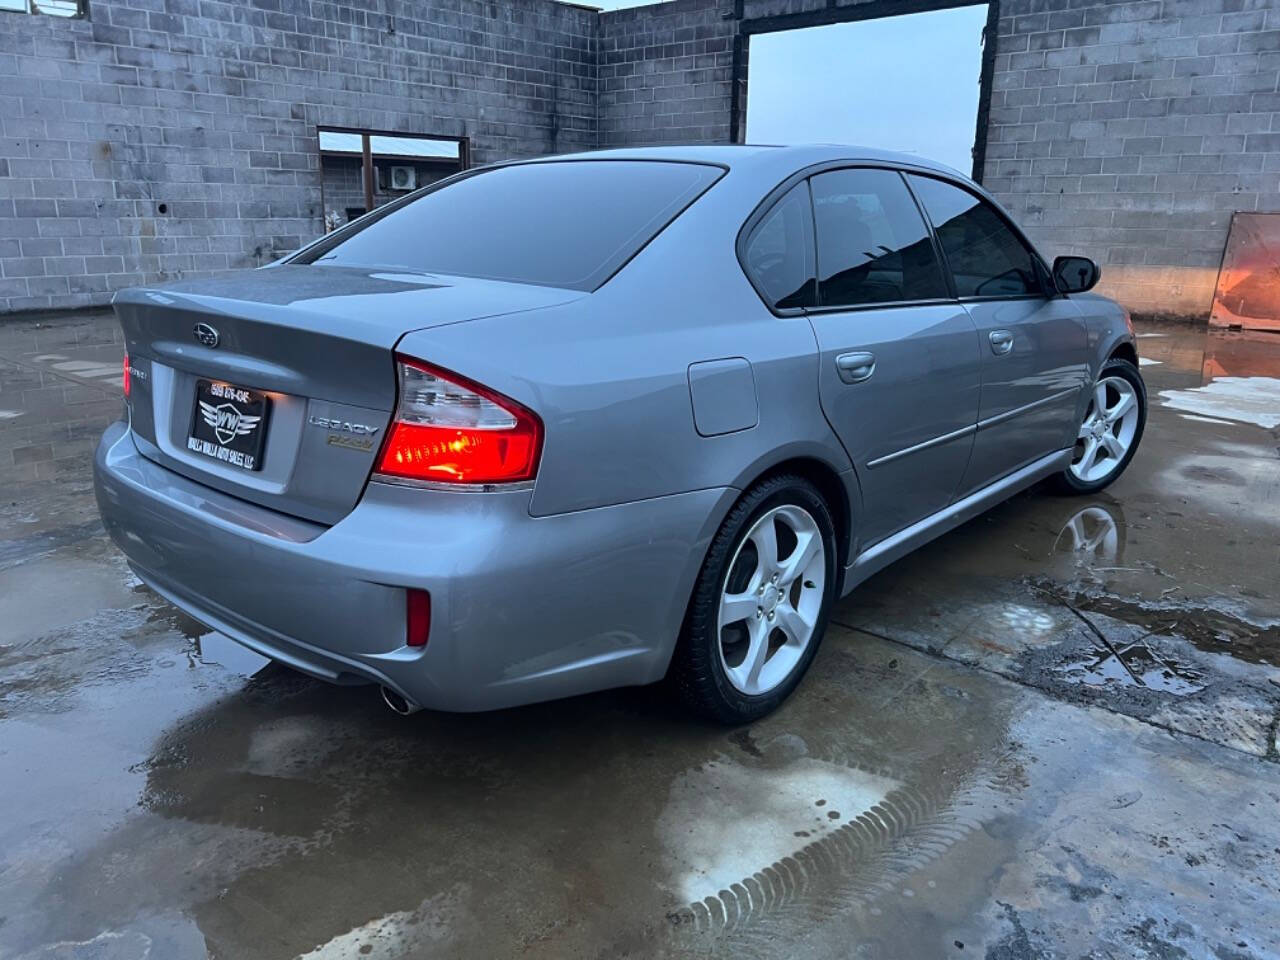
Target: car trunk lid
278,385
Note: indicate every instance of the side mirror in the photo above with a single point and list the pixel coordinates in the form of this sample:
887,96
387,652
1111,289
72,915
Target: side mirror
1075,274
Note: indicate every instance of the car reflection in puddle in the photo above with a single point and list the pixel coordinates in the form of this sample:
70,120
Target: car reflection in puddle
1094,535
214,648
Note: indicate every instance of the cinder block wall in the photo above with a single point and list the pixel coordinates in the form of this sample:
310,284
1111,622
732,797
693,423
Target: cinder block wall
666,73
1130,132
141,146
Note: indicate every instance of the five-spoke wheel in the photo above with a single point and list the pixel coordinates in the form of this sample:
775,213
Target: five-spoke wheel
1108,429
760,604
773,594
1111,429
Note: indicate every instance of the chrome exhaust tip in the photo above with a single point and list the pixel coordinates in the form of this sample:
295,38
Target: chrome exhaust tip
397,703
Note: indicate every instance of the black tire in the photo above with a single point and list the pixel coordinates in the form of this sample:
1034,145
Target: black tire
697,669
1067,482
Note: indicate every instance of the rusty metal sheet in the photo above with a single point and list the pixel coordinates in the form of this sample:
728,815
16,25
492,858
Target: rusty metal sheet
1248,293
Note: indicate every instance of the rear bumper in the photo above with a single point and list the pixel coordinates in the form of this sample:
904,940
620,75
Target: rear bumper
523,608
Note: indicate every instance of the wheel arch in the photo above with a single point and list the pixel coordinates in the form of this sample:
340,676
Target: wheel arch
834,491
1124,350
840,491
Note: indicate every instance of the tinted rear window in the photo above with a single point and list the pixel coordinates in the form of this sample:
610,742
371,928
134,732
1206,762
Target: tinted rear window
563,224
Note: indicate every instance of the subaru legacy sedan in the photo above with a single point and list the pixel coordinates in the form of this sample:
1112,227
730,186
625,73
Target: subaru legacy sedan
589,421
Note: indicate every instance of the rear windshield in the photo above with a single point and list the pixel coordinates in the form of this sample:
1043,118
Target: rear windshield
562,224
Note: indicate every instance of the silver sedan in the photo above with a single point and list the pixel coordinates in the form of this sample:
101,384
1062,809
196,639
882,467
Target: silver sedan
556,426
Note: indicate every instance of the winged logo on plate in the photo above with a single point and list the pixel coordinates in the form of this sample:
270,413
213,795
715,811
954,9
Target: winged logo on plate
227,421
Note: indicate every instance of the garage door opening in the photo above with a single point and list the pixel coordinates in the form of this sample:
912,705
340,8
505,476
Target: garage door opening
908,83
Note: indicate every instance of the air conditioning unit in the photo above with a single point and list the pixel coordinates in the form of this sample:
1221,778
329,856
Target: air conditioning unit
402,178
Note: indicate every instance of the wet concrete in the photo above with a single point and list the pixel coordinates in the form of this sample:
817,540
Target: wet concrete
1050,733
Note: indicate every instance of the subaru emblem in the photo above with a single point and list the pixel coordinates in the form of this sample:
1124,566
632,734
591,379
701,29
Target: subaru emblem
206,334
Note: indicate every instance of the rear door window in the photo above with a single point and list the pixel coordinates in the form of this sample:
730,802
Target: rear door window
778,255
873,244
985,256
560,223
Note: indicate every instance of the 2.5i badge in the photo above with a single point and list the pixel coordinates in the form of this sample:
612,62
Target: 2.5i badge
229,423
346,434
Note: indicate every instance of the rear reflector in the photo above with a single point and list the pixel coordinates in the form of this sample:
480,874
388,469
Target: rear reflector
417,618
127,378
448,429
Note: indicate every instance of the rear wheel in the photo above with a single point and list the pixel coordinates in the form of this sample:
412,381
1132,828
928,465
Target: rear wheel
760,605
1111,431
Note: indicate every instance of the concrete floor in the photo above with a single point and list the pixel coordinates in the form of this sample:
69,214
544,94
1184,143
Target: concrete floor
1052,733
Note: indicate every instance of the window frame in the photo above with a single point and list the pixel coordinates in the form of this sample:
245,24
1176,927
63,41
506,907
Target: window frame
770,199
1046,291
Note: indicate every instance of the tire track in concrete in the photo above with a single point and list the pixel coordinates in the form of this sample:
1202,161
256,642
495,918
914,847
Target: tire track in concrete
854,865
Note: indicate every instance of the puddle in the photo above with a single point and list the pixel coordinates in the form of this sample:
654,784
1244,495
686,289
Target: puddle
29,608
1247,399
1209,628
1091,535
1134,665
214,648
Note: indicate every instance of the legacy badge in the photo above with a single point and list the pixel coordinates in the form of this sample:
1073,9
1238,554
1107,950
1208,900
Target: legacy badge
343,426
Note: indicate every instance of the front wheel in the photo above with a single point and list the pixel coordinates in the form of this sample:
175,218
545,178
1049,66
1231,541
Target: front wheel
1112,428
760,604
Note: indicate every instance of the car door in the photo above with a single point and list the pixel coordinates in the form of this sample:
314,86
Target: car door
899,367
1033,343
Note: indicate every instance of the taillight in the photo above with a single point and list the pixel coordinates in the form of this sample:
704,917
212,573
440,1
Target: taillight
448,429
417,618
127,378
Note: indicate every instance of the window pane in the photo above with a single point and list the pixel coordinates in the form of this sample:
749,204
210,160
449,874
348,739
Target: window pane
334,142
873,245
779,254
57,8
986,258
14,5
564,224
414,147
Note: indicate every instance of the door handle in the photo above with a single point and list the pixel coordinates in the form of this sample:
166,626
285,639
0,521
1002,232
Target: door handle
855,367
1001,341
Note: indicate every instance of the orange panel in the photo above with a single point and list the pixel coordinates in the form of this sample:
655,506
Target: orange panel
1248,294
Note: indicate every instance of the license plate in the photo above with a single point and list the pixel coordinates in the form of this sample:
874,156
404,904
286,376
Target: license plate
229,423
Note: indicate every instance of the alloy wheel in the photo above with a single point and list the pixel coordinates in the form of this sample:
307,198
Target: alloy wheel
1108,430
771,599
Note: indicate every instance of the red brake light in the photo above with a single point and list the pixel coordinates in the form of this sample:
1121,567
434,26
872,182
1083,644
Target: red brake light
448,429
417,618
126,376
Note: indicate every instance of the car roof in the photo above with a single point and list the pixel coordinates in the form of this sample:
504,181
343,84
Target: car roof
736,156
